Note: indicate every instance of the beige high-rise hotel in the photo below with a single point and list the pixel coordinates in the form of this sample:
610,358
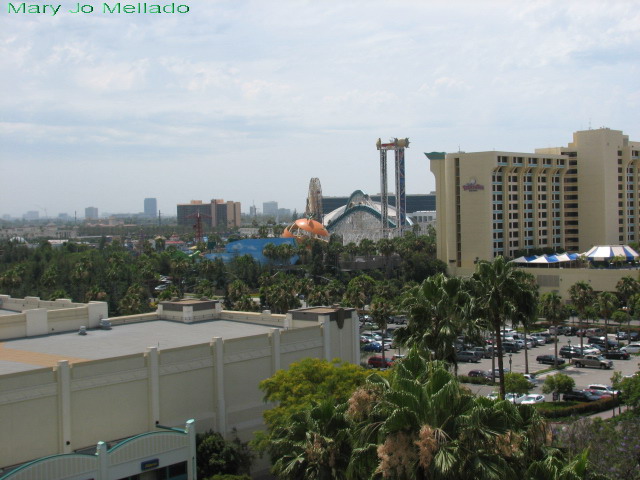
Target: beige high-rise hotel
574,197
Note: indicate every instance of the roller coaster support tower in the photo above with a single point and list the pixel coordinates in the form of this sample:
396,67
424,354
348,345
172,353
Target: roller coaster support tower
397,145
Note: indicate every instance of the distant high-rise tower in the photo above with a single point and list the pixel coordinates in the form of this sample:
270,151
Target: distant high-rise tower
150,207
90,213
270,209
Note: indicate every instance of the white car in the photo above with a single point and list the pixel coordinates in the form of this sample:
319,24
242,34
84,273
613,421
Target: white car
631,348
514,397
532,398
603,388
493,396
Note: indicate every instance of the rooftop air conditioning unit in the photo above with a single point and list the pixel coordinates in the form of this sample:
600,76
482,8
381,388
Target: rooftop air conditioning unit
82,331
105,324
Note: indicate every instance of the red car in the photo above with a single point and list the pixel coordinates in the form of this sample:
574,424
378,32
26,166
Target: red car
376,362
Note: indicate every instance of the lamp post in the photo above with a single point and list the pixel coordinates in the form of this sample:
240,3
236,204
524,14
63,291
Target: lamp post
510,361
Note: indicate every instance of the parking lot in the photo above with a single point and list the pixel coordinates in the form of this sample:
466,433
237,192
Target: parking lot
516,363
582,376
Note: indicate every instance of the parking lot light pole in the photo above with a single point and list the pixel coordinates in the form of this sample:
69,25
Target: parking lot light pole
510,361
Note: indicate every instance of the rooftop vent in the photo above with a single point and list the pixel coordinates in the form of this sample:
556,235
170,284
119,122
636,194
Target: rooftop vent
82,331
105,324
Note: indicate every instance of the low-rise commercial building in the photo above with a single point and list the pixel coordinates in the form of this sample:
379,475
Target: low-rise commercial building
62,393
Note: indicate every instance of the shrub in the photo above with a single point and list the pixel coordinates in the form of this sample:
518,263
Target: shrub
567,409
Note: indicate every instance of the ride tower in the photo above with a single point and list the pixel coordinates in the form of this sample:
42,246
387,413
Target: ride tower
397,145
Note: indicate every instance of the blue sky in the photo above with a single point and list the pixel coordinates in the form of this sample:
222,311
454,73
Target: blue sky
247,100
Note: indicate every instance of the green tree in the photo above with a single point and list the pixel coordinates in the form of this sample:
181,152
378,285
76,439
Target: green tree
437,312
516,383
313,444
582,298
501,291
359,291
380,313
629,388
553,310
558,383
307,381
420,424
215,455
606,304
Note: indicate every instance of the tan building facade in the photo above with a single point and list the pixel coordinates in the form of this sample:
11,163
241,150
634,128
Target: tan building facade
499,203
61,394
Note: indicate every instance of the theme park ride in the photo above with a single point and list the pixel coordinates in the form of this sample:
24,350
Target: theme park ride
397,145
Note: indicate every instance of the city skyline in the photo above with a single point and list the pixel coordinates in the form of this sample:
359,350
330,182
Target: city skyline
249,100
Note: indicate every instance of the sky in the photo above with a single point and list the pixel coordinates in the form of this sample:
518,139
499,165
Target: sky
248,100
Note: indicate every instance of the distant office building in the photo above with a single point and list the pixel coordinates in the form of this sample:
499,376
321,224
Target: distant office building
150,207
217,213
64,216
284,214
253,211
31,215
270,209
91,213
187,213
225,214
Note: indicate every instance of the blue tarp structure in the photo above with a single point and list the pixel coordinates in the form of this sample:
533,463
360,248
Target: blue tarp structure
253,247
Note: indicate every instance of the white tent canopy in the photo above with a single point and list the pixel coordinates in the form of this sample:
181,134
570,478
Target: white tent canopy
608,252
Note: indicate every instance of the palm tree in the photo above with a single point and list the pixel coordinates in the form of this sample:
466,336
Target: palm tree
582,297
437,310
420,424
380,312
501,291
606,304
314,444
554,311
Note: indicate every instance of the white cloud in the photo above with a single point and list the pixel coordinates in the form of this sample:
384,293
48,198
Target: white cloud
245,90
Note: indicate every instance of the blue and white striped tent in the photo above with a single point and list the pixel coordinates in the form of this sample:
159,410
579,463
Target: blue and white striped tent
607,252
547,259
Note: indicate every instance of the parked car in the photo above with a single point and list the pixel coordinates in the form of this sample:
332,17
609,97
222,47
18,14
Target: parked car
603,341
376,362
616,355
481,352
510,347
530,378
579,396
594,361
631,348
549,360
480,374
603,388
399,319
373,346
532,398
570,351
598,393
514,397
466,356
621,335
493,395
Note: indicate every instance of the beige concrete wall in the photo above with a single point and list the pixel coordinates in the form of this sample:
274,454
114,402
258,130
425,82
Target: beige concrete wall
57,410
42,317
13,326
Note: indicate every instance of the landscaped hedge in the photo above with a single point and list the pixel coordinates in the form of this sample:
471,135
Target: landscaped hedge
567,409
